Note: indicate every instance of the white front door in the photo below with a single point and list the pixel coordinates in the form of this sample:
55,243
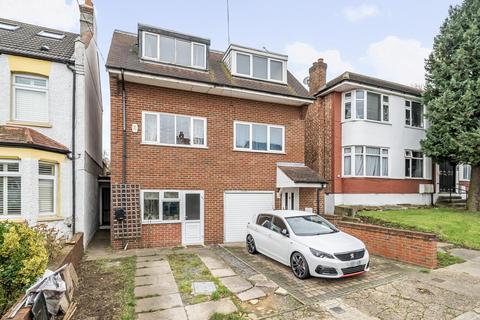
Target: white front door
290,199
192,224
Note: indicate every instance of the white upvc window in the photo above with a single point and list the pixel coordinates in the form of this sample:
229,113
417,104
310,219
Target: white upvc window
47,188
172,50
365,161
414,114
10,189
30,98
366,105
259,67
160,206
174,130
466,172
414,164
258,137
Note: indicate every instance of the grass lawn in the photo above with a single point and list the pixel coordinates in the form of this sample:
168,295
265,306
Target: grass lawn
455,226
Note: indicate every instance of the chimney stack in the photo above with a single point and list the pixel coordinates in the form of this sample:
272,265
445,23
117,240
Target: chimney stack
87,20
317,76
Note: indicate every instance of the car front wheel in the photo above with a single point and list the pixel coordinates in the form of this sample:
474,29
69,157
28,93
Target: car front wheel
252,249
299,265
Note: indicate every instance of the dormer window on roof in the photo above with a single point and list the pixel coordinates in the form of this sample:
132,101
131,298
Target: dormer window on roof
53,35
173,48
8,26
256,64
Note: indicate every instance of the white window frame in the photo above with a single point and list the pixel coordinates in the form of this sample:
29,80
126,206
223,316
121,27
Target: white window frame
161,198
409,108
4,175
55,186
31,88
462,175
250,149
353,106
157,58
250,75
364,154
410,157
192,118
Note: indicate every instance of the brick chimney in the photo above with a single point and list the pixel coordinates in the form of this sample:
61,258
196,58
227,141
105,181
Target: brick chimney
87,21
317,76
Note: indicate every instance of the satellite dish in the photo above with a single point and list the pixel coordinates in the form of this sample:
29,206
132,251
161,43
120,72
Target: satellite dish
306,81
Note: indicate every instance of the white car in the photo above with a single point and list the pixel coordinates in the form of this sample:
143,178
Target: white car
307,243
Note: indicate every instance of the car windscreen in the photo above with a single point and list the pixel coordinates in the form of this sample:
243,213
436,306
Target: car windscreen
310,225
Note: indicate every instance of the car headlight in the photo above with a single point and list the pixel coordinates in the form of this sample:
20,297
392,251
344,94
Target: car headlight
321,254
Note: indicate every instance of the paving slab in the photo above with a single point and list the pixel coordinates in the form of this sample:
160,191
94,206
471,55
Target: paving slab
149,258
152,264
203,287
470,267
254,293
470,315
155,279
236,284
168,314
281,291
166,301
213,263
257,278
267,284
158,289
203,311
466,254
222,273
163,269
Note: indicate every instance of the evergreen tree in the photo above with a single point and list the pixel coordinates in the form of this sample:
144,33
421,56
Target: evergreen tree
452,94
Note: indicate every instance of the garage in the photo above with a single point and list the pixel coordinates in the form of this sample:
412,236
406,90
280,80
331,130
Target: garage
239,208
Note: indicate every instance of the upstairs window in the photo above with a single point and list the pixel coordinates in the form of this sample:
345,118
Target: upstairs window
10,189
259,67
176,130
414,114
47,185
413,164
175,51
362,104
30,98
259,137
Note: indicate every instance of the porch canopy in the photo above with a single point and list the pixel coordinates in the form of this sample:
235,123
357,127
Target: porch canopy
293,175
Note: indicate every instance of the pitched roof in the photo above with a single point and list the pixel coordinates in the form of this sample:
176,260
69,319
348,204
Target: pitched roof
302,174
26,41
123,54
371,81
25,137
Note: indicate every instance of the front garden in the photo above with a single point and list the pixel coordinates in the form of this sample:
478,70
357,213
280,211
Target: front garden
458,227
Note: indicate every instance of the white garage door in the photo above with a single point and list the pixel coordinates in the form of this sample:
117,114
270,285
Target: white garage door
239,209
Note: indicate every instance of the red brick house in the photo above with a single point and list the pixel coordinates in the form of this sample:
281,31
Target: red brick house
202,139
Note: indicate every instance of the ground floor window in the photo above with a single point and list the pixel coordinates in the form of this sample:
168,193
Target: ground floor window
170,205
10,188
47,186
365,161
466,172
413,164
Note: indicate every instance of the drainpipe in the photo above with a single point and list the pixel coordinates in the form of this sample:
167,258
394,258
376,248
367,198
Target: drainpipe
318,201
124,132
73,156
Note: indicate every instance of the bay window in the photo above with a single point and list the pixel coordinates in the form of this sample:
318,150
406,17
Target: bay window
258,137
413,164
363,104
10,189
30,98
414,114
47,174
171,129
365,161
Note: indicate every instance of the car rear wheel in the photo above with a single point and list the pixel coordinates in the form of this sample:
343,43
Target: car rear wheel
299,265
252,249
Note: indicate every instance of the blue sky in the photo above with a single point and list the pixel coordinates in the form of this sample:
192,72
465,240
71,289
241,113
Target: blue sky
387,39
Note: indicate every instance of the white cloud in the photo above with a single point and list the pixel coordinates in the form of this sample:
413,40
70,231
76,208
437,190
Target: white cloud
363,11
58,14
301,56
400,60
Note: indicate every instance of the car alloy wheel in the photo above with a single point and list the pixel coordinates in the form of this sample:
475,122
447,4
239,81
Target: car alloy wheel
251,245
299,265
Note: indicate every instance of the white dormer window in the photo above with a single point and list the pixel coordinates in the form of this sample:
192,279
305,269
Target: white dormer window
8,26
172,50
259,67
52,35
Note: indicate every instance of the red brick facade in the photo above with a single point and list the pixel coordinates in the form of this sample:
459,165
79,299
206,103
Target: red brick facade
214,169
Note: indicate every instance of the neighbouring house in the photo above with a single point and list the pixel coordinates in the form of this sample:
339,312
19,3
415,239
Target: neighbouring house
363,135
50,125
202,139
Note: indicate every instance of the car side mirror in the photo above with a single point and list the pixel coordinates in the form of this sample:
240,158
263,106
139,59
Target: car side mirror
285,232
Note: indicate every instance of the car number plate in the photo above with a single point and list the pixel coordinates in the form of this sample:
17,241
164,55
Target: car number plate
354,263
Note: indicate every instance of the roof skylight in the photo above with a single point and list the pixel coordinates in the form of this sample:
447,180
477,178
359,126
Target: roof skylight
8,26
53,35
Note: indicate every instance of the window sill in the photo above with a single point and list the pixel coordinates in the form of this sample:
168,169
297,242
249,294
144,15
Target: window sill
15,219
173,145
160,222
416,178
49,218
260,151
368,177
157,61
367,120
30,124
415,128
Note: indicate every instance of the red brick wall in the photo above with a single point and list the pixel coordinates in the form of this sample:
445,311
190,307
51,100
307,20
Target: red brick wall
380,185
308,199
417,248
213,170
